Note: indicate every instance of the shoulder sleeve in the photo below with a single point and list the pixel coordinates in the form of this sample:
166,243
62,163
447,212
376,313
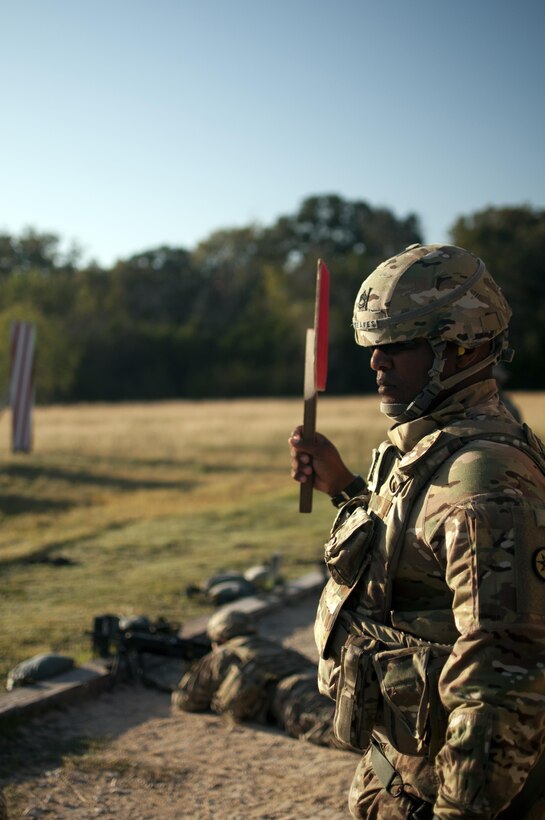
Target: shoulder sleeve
484,519
493,683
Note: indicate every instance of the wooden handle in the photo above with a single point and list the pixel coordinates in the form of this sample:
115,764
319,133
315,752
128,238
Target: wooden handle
305,497
309,432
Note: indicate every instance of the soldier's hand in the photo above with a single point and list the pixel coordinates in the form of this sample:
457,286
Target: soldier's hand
321,459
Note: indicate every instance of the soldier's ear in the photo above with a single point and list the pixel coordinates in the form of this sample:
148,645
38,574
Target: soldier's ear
467,357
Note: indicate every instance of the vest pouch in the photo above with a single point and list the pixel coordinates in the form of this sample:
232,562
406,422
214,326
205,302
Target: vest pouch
328,677
357,695
414,718
330,605
347,547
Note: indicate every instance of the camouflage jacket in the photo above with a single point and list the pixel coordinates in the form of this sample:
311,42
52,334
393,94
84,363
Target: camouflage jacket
239,678
436,640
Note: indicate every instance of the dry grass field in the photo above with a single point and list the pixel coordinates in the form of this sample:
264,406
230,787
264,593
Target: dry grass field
119,507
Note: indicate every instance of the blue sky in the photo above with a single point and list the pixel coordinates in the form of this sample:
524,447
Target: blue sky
130,124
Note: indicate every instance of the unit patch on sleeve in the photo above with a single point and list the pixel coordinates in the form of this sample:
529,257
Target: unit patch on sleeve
538,561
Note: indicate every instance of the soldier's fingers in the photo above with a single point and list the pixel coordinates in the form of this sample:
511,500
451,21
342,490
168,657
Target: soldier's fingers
299,445
301,467
301,463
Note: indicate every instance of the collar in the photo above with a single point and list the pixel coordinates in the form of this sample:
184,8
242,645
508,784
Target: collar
480,399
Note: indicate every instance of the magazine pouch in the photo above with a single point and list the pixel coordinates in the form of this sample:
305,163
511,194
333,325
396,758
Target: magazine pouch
357,694
347,547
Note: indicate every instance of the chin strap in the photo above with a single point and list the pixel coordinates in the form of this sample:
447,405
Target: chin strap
401,413
419,405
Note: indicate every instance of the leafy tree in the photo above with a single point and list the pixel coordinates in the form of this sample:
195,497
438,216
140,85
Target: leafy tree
352,238
225,319
51,294
56,357
157,285
125,321
511,241
37,251
240,317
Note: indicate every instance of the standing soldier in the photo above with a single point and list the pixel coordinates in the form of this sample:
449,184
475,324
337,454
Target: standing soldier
431,628
252,678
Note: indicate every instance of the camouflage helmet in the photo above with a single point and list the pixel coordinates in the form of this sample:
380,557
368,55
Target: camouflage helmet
430,291
229,623
441,293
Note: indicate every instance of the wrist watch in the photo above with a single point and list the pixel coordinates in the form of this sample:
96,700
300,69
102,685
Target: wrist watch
356,487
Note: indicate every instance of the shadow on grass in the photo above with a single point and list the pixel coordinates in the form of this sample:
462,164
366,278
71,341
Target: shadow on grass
13,504
31,472
43,555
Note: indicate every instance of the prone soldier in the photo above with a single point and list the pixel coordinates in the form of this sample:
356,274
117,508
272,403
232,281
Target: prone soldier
251,678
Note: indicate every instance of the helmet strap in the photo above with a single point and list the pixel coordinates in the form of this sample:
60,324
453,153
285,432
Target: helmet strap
402,413
498,351
418,406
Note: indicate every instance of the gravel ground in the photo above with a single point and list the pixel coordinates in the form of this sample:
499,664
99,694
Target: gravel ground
126,754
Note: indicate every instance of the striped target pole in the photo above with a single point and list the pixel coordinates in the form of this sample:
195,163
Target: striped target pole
22,343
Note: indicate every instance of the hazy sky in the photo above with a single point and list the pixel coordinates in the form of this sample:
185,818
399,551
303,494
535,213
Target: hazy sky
129,124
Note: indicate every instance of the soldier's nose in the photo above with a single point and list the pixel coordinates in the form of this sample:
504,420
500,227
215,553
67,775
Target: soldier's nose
380,360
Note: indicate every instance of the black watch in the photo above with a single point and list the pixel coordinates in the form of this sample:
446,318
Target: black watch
356,487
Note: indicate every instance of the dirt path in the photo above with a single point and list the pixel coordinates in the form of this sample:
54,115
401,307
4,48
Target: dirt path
126,754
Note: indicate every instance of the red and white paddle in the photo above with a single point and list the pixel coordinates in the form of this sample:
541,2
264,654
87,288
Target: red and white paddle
315,370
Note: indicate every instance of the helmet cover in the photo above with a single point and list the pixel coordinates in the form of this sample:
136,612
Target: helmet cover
431,292
229,623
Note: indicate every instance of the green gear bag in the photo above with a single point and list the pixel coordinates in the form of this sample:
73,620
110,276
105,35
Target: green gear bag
38,668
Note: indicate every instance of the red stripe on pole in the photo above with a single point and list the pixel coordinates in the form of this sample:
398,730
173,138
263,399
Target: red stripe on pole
321,325
22,384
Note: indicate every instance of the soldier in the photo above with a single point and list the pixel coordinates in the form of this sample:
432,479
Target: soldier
431,628
251,678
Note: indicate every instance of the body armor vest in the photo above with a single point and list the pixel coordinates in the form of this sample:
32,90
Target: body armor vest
374,671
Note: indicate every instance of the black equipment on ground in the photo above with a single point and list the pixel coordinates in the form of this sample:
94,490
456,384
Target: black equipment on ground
127,641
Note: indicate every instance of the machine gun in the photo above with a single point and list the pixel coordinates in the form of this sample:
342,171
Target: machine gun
126,642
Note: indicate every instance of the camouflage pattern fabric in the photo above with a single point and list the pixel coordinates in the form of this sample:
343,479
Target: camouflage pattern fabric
3,807
368,799
302,711
229,623
468,583
441,293
252,678
430,291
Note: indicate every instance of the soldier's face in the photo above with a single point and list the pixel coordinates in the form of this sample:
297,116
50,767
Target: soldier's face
402,370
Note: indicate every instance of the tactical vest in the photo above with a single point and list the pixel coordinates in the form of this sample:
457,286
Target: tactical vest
248,688
383,676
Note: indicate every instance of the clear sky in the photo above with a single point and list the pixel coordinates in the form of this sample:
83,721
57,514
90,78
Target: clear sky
128,124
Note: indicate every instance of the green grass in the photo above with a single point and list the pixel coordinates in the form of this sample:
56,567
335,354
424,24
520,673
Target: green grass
143,499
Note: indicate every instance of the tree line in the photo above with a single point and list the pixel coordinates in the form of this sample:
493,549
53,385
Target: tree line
228,318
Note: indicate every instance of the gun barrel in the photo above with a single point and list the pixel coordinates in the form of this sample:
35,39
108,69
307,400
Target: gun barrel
187,648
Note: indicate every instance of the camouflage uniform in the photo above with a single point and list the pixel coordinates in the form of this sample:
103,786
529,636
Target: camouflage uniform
431,629
251,678
300,709
3,807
